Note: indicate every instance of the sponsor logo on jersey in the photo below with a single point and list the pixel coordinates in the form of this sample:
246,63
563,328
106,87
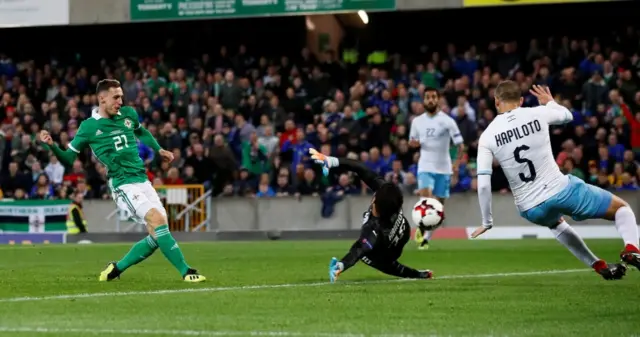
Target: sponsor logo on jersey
367,243
98,133
116,132
127,123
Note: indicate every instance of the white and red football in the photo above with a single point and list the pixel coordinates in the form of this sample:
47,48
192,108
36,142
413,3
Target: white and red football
428,213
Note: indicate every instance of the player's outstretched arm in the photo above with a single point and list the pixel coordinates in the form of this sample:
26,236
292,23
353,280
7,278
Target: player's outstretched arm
371,178
362,246
147,138
357,251
485,162
553,113
484,198
66,157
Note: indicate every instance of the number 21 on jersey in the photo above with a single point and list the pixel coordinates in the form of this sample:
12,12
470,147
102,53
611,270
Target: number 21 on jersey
120,142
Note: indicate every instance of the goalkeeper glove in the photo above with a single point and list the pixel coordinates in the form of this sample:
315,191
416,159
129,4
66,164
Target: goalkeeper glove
327,162
335,268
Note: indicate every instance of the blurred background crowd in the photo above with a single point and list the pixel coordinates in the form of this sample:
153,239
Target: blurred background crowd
241,121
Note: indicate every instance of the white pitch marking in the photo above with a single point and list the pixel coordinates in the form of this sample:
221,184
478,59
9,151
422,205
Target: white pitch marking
201,333
154,332
274,286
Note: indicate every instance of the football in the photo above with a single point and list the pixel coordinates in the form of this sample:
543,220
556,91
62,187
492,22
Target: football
428,213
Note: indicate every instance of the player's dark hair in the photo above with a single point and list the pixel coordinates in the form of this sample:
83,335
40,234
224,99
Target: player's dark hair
432,89
508,91
106,84
388,200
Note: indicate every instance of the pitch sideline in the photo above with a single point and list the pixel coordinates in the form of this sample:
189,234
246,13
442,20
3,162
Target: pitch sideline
276,286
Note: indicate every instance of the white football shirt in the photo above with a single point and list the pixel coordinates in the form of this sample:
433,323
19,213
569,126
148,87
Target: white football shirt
519,140
434,133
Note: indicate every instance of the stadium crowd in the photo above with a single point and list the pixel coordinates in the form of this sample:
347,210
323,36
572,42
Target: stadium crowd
242,124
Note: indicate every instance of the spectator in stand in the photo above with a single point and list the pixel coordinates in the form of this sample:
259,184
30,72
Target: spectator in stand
42,189
299,148
634,125
282,187
54,170
264,188
173,177
254,156
376,163
616,150
19,194
310,185
36,171
628,183
202,165
269,140
189,176
595,91
178,159
225,163
629,164
77,172
82,187
276,113
243,130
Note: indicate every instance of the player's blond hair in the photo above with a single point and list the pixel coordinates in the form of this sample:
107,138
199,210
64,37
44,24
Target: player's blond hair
508,91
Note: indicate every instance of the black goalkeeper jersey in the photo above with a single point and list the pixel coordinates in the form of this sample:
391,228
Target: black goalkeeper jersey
381,240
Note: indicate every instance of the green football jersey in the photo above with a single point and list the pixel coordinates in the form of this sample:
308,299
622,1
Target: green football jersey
113,142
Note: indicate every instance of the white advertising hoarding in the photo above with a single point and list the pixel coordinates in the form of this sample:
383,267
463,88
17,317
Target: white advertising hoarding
28,13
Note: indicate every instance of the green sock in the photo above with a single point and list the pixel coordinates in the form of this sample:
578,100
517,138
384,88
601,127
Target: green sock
138,253
169,247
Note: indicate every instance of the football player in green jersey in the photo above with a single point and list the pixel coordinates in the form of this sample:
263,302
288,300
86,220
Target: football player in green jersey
111,133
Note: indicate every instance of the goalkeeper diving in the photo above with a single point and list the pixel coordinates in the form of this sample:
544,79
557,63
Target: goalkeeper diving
385,231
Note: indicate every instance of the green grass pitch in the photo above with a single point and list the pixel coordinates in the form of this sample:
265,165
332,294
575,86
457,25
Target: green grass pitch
279,288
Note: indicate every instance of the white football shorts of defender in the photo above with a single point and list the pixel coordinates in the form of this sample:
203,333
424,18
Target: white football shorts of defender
138,199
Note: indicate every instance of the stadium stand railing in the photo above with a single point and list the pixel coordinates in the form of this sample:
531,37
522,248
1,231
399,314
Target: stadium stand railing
188,209
177,198
195,217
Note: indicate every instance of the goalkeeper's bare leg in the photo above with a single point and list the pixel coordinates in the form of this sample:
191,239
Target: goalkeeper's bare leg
159,237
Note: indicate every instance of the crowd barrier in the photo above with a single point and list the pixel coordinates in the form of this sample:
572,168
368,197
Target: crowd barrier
293,214
275,218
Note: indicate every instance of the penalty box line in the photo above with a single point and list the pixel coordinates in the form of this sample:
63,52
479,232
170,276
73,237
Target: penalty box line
277,286
201,333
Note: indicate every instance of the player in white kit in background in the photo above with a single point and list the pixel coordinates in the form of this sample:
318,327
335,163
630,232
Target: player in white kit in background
432,132
518,138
